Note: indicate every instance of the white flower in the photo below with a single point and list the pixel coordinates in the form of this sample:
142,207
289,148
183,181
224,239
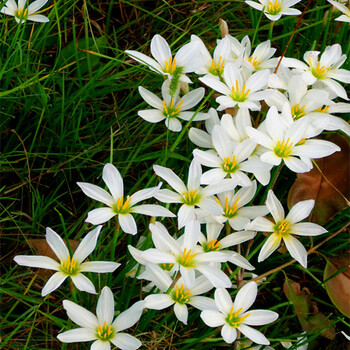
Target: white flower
184,256
238,92
171,108
116,203
192,195
71,266
23,13
274,9
342,8
284,228
186,60
323,70
180,295
102,329
286,141
234,316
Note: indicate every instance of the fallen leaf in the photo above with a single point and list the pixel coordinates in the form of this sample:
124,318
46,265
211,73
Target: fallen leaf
328,185
310,318
338,287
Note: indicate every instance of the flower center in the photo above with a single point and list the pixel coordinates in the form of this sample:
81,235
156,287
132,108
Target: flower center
239,95
298,112
22,14
274,8
122,207
211,246
70,266
217,69
254,61
230,165
180,295
320,72
171,111
170,65
282,228
230,211
283,149
191,197
105,333
186,259
233,318
166,266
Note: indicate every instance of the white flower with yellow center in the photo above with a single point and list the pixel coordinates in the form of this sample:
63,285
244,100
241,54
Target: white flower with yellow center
180,295
69,266
21,12
102,329
236,91
192,195
171,108
234,316
274,9
185,256
284,228
186,60
342,8
324,71
286,142
117,204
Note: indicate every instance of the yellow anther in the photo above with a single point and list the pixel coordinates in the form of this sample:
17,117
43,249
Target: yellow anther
322,109
122,207
69,266
254,61
274,7
230,164
283,149
170,65
282,228
186,259
217,69
233,318
214,244
298,112
301,142
22,13
171,111
165,107
239,95
191,197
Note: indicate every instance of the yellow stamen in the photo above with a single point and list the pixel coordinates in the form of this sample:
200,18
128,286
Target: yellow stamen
230,164
69,266
186,259
320,72
254,61
217,69
22,13
274,7
283,149
233,318
122,207
298,112
282,228
105,333
170,65
191,197
239,95
323,109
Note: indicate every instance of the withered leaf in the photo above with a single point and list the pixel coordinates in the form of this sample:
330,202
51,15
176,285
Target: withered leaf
338,286
310,318
329,185
223,28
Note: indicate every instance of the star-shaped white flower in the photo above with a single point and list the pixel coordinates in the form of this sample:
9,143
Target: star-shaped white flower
342,8
285,227
116,203
234,316
102,329
69,266
22,13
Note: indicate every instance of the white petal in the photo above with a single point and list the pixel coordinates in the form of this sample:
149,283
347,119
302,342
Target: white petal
297,165
253,334
200,138
38,18
99,266
56,244
192,98
246,296
127,223
114,181
307,229
271,244
217,277
105,306
261,224
144,194
87,245
300,211
80,315
203,303
194,175
43,262
100,345
161,238
156,256
152,99
213,318
188,275
151,115
140,57
158,301
129,317
211,205
236,238
181,312
77,335
171,178
100,215
97,193
173,124
185,215
160,49
223,300
83,283
191,235
240,261
275,206
125,341
36,5
167,196
212,176
260,317
228,333
53,283
296,249
153,210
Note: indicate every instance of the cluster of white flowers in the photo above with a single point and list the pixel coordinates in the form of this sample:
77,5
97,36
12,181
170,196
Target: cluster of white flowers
187,263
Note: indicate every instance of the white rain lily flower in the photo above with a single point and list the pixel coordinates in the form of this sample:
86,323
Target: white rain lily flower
187,59
192,195
211,242
171,108
69,266
323,70
101,328
181,295
287,142
234,316
284,228
231,160
342,8
184,256
116,203
236,91
274,9
235,212
345,335
21,12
